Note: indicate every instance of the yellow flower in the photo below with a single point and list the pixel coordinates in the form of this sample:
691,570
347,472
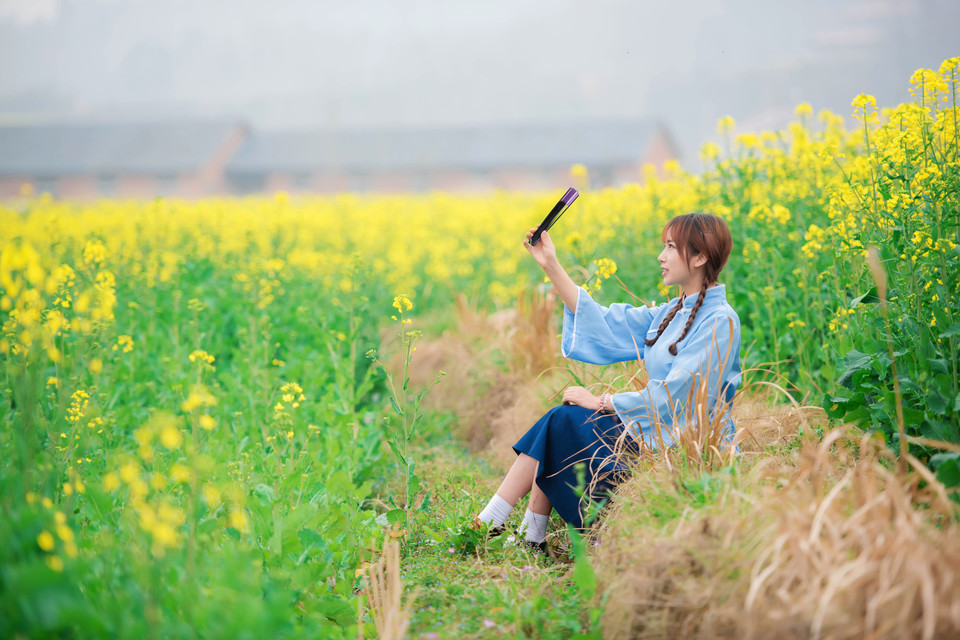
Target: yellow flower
238,520
725,124
164,537
402,303
64,532
171,437
143,436
202,357
211,495
863,100
207,422
129,472
45,541
171,514
125,343
803,109
55,563
949,66
180,473
709,151
199,397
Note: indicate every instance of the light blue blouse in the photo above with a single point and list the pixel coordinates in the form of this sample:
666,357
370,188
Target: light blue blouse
710,350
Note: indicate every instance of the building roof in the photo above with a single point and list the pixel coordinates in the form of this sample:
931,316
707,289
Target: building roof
162,148
466,147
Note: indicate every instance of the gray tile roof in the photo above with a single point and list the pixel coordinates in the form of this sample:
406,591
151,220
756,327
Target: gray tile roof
163,148
476,148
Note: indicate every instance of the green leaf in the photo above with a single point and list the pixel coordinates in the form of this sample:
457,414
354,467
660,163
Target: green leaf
870,297
853,362
937,402
396,451
396,407
939,458
952,330
939,365
583,573
310,539
208,526
335,608
265,491
394,516
949,473
413,486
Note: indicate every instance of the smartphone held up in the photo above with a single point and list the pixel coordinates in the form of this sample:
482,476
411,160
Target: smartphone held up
554,215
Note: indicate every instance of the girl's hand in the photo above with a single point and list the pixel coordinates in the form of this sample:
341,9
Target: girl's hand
581,397
544,252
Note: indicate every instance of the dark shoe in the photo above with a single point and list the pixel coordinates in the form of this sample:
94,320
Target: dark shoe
559,553
538,547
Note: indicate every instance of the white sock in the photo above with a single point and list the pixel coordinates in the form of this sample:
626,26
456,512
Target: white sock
496,512
534,526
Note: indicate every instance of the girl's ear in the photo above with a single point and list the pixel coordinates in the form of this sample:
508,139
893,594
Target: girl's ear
699,260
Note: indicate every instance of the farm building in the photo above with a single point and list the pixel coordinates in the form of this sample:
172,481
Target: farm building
203,158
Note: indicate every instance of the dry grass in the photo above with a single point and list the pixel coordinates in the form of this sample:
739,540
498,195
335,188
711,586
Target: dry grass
492,364
836,545
384,591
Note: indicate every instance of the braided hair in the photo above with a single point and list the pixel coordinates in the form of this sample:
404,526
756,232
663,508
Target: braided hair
695,234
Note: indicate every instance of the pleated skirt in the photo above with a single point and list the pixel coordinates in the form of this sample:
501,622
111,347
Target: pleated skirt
578,467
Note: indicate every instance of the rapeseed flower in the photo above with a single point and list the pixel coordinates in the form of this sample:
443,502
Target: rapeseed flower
402,303
45,541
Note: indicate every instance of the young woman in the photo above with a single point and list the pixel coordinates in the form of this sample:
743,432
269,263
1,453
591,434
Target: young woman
689,344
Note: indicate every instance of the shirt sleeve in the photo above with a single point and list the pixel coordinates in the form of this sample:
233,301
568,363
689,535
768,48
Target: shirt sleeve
602,335
711,355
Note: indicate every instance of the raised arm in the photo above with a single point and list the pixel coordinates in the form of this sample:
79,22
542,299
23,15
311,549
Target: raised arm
546,256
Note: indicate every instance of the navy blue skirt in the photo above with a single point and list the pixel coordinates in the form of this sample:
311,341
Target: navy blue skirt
575,448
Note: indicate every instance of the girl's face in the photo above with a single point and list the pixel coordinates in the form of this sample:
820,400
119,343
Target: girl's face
676,271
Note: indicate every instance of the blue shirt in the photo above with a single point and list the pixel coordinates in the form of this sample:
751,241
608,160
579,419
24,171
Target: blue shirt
710,353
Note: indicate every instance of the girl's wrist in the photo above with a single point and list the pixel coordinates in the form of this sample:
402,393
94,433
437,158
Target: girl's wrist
606,403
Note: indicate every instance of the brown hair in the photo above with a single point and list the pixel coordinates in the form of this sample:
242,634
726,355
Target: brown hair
695,234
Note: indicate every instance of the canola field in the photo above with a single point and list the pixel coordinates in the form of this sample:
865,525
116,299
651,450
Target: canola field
192,422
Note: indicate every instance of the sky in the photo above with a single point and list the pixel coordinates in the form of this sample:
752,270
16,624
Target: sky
289,64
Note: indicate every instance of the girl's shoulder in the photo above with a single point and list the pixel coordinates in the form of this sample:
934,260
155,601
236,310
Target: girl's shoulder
715,315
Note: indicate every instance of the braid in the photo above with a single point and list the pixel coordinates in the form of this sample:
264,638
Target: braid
693,314
663,325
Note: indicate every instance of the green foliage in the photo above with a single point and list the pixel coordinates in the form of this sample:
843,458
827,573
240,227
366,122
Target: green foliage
267,496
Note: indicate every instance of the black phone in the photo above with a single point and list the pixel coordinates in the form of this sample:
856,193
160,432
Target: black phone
554,214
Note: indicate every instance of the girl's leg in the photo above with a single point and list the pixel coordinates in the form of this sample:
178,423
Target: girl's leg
520,481
539,503
534,526
515,485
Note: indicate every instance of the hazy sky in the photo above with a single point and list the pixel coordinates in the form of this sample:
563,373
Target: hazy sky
315,63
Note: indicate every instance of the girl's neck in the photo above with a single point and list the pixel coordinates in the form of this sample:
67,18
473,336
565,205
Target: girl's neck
685,294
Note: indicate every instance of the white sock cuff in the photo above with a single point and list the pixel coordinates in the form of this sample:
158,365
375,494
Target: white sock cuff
534,526
496,512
